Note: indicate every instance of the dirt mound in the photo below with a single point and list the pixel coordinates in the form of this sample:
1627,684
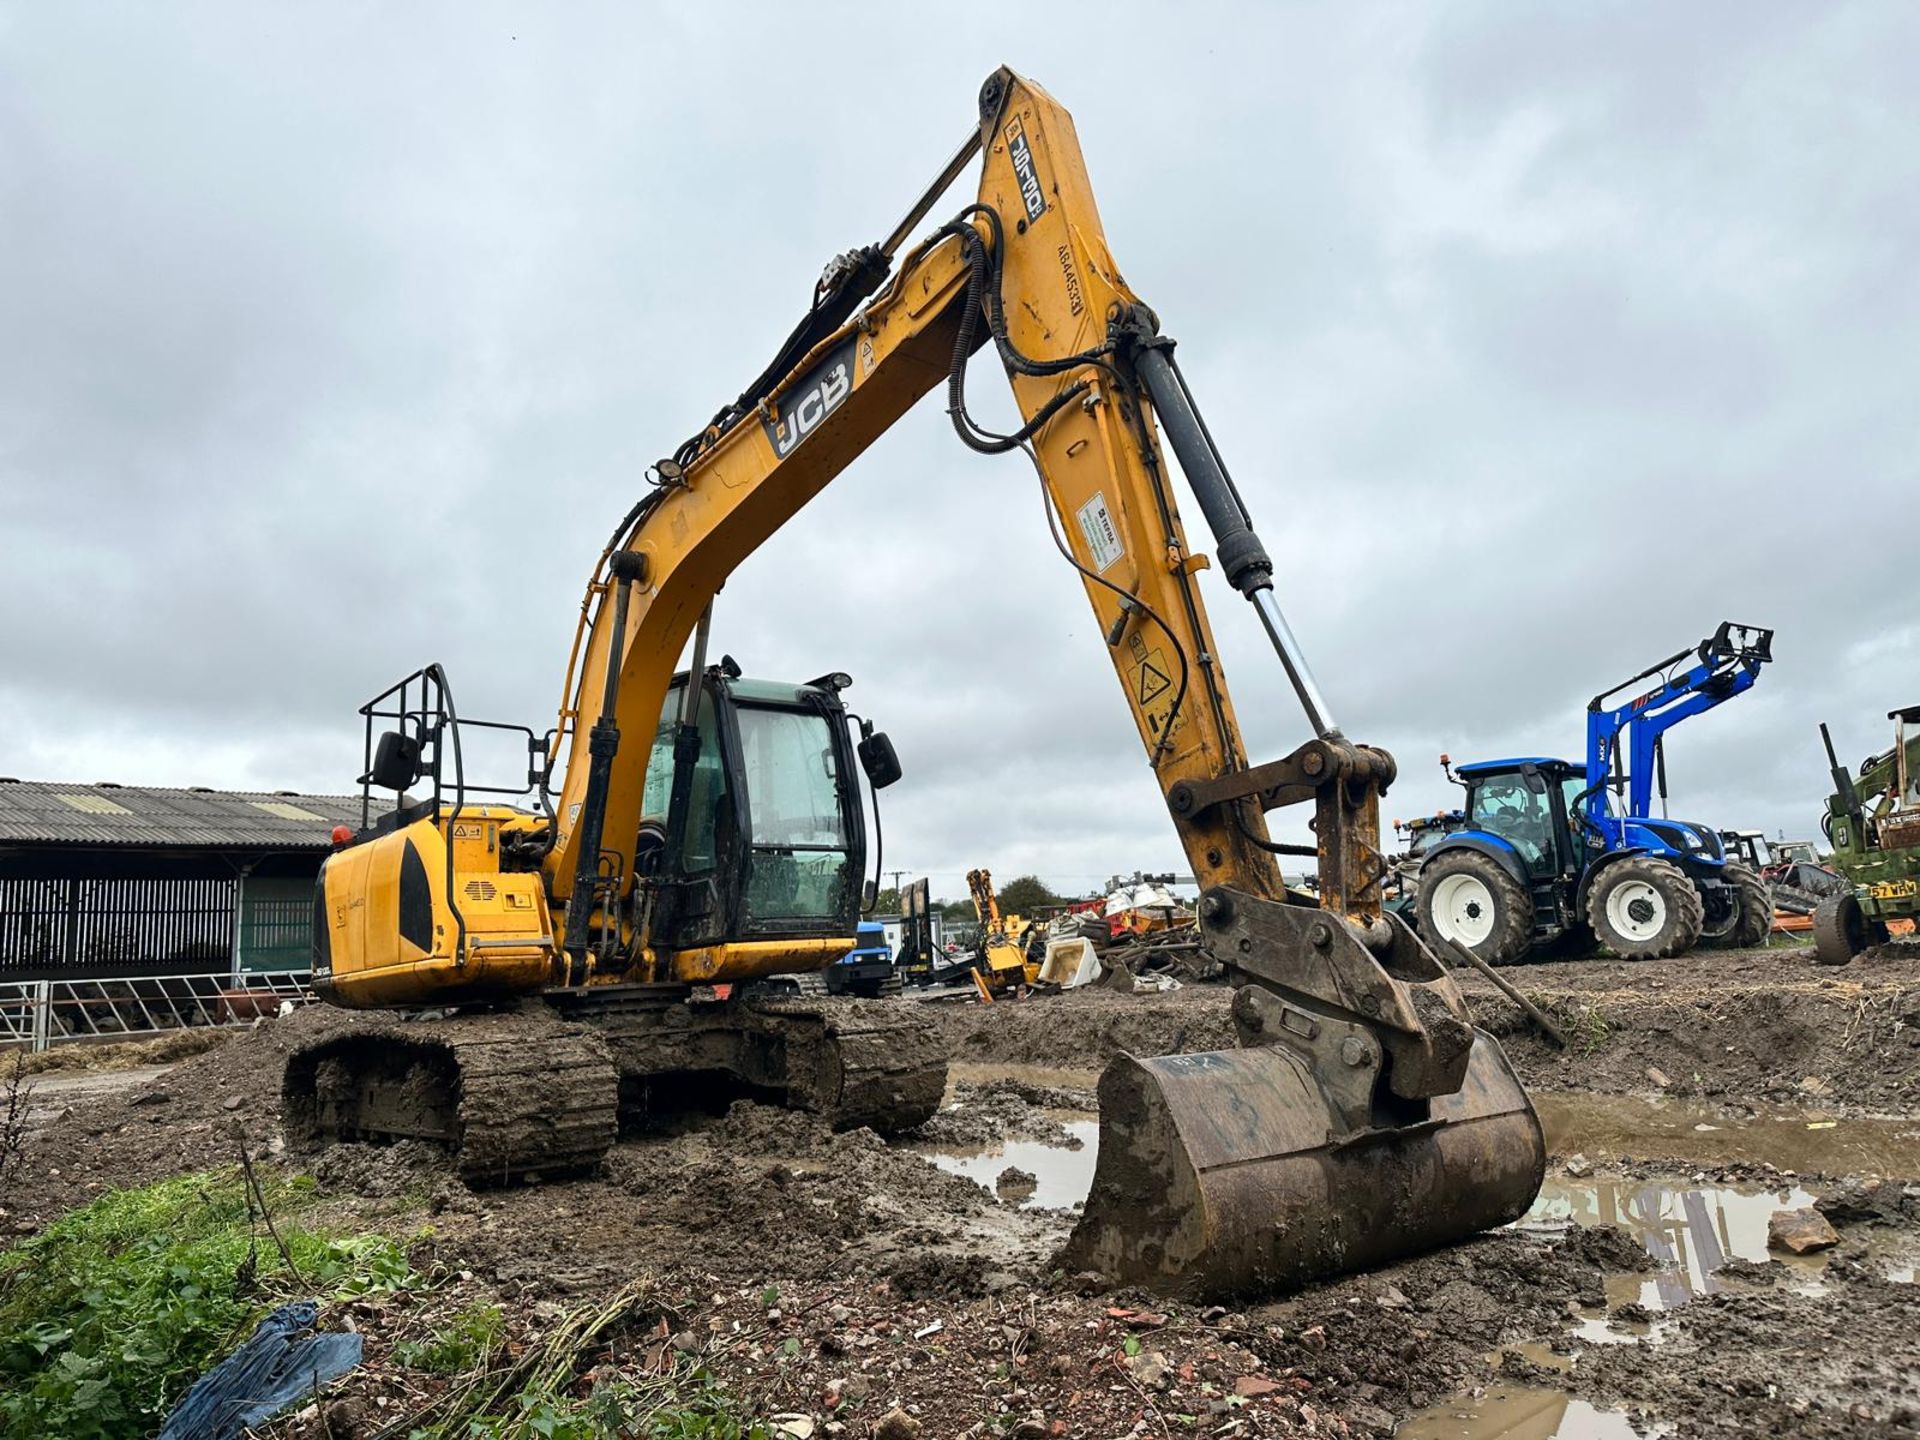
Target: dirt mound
1852,1045
756,1194
381,1171
1762,1358
1089,1026
123,1055
196,1115
1607,1246
1898,952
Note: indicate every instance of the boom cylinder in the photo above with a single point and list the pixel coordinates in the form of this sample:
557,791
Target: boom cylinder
603,744
1244,560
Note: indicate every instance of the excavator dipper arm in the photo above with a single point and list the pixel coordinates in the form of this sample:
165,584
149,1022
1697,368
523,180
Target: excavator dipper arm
1364,1117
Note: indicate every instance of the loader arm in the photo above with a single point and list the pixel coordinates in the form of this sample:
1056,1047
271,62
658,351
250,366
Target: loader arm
1724,665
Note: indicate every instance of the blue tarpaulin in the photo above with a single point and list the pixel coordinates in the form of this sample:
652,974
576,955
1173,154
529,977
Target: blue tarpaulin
278,1364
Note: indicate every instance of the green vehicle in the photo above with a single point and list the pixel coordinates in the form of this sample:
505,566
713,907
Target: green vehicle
1873,822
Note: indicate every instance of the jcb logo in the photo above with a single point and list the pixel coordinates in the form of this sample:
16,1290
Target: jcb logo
817,396
1018,151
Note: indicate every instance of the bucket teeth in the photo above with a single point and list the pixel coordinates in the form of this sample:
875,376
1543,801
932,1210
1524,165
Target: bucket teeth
1222,1174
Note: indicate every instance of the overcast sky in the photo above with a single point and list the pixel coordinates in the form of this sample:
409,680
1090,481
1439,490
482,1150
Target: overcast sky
334,339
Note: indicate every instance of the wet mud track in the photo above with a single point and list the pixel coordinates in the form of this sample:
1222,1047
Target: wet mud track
839,1276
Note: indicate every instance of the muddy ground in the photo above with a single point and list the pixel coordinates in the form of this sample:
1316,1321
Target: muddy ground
839,1277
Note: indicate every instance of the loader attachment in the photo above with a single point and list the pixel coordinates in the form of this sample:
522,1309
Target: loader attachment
1362,1120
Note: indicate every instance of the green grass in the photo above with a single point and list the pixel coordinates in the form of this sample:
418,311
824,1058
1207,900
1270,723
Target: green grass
468,1340
1589,1030
534,1391
109,1314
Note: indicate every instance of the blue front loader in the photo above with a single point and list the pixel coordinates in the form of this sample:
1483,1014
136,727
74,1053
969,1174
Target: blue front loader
1553,855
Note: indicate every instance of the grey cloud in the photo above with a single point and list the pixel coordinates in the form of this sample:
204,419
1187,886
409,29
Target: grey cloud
337,340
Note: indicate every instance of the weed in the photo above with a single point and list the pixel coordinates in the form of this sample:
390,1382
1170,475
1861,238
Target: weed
533,1394
467,1341
1590,1029
110,1313
693,1408
14,1096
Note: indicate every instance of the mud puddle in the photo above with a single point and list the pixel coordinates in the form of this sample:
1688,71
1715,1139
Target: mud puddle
1804,1140
1062,1175
1518,1412
1693,1230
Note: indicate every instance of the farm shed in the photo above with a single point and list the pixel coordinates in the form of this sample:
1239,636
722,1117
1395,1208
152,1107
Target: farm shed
105,880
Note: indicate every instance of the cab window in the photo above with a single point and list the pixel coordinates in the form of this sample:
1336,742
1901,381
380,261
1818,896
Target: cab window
708,809
798,844
1505,806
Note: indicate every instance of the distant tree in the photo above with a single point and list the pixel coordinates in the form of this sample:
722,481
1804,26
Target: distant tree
1026,894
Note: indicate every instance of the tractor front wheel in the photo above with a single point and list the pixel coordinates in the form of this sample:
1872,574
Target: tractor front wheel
1470,897
1644,908
1753,908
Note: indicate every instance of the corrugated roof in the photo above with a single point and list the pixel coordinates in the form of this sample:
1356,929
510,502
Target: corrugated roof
35,812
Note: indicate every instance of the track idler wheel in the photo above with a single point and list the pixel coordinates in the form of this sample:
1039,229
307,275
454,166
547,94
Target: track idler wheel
1222,1174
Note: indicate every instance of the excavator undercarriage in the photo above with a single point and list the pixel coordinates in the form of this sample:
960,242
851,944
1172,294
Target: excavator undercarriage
543,1087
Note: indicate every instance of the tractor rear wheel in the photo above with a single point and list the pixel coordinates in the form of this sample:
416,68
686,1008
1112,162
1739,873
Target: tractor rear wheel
1753,908
1470,897
1840,929
1645,908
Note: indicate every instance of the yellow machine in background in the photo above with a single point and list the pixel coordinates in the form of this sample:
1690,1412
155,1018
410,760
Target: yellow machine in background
708,829
1004,941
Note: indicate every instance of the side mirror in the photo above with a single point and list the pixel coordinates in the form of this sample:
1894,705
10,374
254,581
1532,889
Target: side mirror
878,759
869,895
396,761
1530,776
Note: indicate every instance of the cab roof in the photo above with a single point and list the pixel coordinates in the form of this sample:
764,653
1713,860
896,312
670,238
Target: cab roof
1492,767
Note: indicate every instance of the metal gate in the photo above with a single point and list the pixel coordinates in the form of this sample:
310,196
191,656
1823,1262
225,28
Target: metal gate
40,1013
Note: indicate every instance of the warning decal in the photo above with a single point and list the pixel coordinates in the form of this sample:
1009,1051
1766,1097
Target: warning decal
1103,538
1152,681
1153,689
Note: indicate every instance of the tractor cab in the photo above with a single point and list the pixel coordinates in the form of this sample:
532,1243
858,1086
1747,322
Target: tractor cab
1525,806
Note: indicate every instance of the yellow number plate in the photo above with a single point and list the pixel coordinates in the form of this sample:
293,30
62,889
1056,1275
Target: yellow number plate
1894,889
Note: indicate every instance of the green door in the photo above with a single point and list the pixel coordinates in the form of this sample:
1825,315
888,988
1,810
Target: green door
276,924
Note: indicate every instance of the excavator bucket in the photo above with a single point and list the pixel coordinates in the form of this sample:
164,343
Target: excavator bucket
1335,1140
1219,1174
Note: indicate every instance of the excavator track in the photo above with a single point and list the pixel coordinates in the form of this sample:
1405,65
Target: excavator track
858,1062
530,1093
512,1096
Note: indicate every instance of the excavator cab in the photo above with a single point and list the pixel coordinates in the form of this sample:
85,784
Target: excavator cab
757,834
751,840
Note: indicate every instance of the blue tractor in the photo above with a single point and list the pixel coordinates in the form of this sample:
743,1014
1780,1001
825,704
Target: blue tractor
1553,854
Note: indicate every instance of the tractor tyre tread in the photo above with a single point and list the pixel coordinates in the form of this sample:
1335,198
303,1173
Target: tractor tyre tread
1684,906
1512,935
1755,899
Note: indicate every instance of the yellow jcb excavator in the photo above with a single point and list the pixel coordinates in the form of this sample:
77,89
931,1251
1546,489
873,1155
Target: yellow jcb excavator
1004,940
707,829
